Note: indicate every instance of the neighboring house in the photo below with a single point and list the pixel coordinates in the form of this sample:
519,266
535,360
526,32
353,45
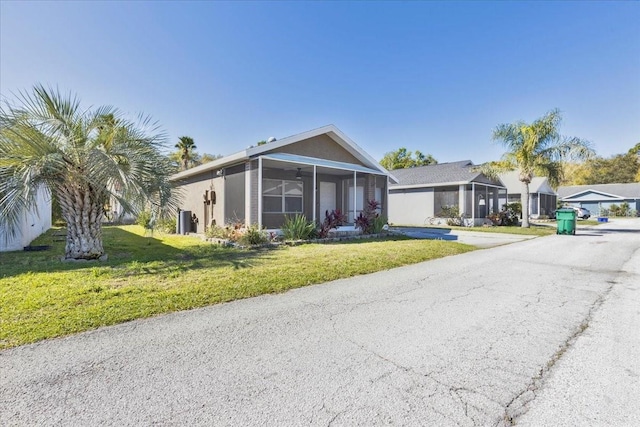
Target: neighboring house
115,212
31,224
422,192
598,197
309,173
542,198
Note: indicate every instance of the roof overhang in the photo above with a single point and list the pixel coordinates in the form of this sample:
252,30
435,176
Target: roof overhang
443,184
213,165
576,196
295,160
254,152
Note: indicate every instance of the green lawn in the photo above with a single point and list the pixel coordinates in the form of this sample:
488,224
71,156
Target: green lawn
534,230
42,297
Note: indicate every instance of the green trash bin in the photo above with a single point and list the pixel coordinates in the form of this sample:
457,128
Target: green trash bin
566,219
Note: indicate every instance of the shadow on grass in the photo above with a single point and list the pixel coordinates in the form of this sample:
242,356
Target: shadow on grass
128,254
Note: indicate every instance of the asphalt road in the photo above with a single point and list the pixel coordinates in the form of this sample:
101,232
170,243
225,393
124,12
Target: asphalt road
539,332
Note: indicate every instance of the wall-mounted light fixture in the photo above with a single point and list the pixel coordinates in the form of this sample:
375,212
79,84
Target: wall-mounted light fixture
299,174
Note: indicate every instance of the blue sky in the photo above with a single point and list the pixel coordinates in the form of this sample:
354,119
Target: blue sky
432,76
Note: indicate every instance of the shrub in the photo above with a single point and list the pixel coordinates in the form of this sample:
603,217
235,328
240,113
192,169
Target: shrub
332,219
623,210
509,215
298,228
367,218
166,225
515,208
451,212
378,224
217,232
144,220
253,235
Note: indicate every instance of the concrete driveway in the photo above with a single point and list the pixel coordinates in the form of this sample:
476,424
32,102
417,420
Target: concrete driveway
475,238
540,332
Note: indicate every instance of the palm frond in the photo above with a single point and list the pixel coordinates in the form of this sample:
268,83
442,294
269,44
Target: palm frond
48,139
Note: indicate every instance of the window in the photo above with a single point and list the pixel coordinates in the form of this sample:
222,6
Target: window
280,196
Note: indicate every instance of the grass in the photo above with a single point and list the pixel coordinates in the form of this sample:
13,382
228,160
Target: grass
534,230
42,297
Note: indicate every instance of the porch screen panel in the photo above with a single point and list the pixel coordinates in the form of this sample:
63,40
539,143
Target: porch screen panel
281,196
293,196
534,204
445,197
492,200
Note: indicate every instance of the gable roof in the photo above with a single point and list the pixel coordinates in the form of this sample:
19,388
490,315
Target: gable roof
539,184
440,174
253,152
620,191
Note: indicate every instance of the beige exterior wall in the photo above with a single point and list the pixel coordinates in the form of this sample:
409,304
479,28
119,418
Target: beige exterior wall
322,147
410,207
193,190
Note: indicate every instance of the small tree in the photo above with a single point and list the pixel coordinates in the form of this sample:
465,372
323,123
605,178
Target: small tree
401,159
535,149
84,157
187,147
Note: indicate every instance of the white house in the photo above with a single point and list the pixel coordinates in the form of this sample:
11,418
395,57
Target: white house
31,224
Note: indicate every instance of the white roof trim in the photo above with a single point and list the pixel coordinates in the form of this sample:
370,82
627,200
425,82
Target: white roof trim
331,130
311,161
575,195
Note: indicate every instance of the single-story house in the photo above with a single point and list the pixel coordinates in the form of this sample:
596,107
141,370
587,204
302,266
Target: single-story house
31,223
599,197
422,192
542,198
310,173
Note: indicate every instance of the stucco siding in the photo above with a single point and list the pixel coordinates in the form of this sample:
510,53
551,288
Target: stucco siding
410,207
31,224
321,147
193,191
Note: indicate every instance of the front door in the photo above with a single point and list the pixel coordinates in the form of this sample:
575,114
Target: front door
327,198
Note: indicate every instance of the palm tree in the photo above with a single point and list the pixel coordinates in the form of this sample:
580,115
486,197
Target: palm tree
84,158
535,149
186,147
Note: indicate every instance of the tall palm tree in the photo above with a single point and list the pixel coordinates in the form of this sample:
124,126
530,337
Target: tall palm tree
84,157
535,149
186,147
